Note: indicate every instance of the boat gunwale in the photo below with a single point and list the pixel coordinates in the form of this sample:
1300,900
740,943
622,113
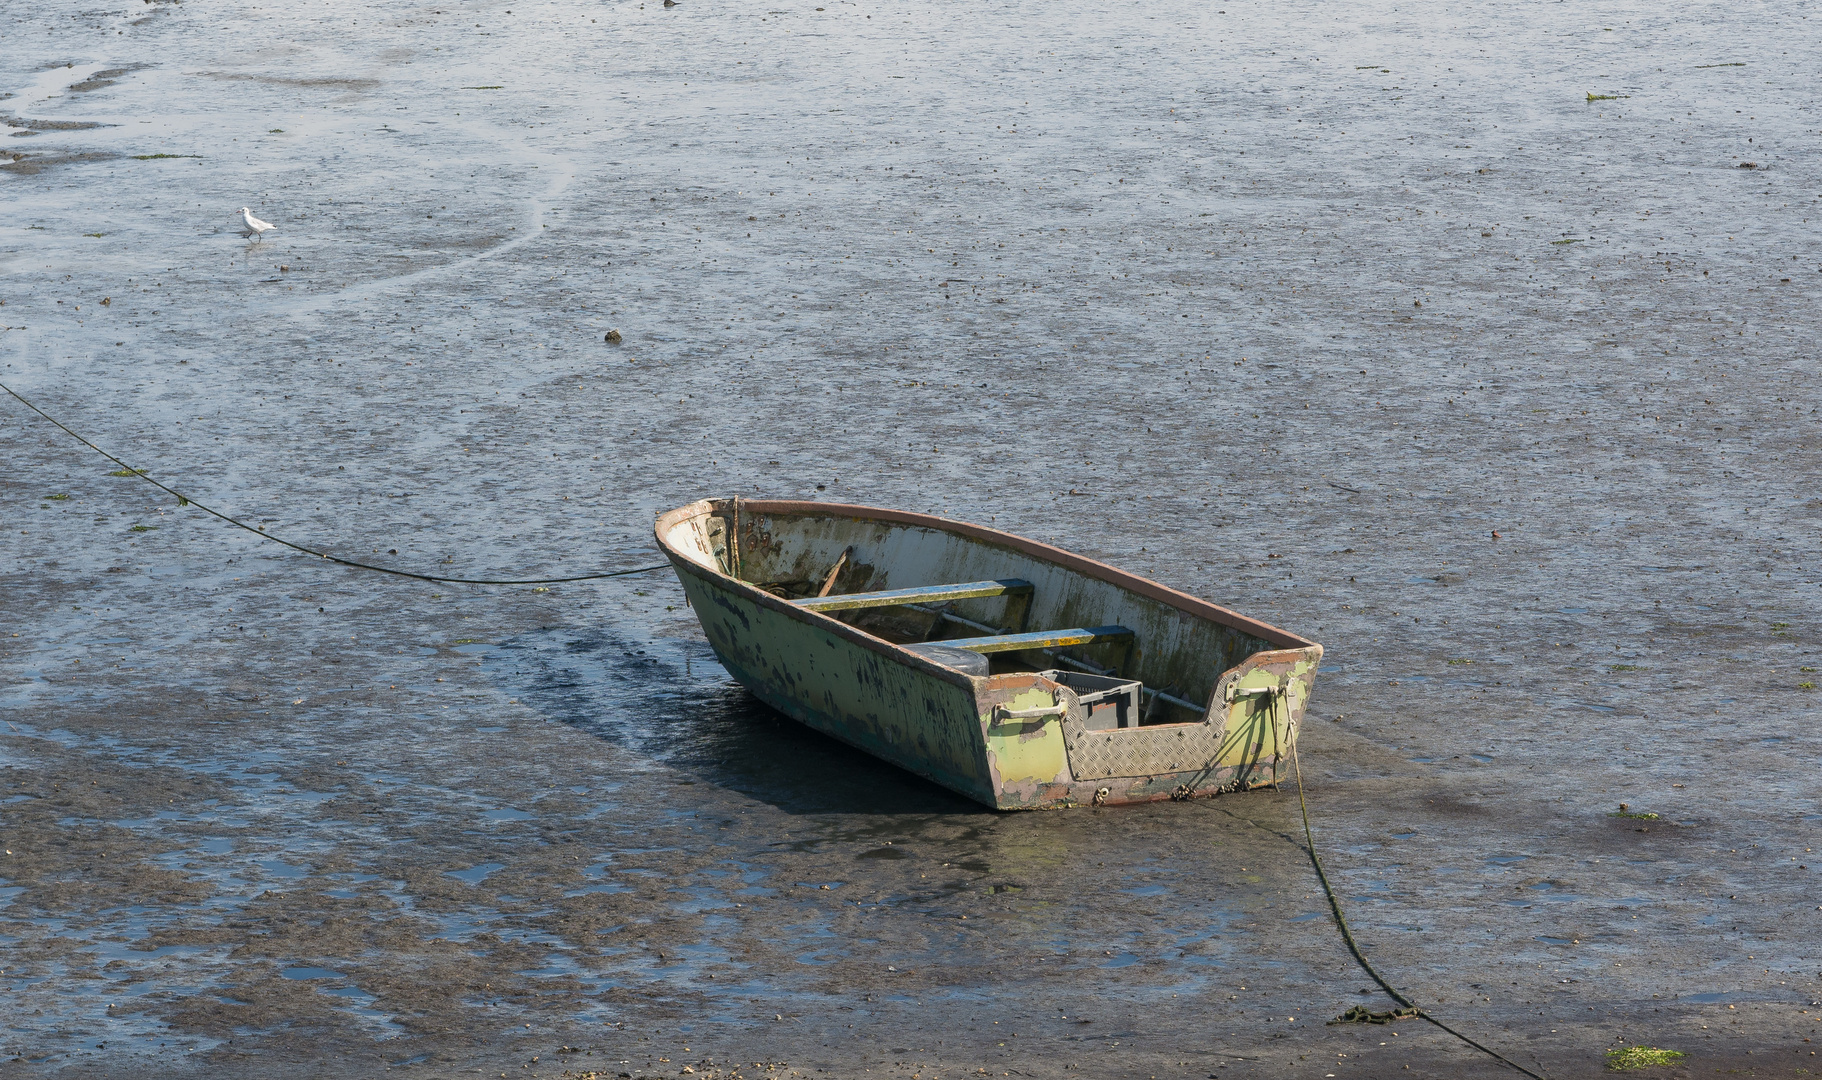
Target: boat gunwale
1278,638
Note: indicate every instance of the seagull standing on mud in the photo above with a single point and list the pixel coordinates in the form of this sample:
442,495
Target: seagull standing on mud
256,228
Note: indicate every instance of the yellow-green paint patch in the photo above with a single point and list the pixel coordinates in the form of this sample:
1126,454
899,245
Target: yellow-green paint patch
1027,749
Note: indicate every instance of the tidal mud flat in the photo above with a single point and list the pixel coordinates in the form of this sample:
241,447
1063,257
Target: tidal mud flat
1290,307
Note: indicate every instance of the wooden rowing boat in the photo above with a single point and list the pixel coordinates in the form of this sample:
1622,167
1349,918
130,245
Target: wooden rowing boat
1013,672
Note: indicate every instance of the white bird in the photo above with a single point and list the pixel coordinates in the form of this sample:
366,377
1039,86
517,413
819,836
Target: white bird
255,227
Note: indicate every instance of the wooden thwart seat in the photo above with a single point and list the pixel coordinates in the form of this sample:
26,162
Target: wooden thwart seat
990,643
1042,639
928,594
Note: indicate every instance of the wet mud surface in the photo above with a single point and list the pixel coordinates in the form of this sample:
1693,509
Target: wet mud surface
1294,308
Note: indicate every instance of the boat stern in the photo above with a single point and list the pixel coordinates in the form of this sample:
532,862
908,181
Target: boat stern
1049,745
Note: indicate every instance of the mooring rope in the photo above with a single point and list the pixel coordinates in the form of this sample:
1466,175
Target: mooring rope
184,500
1347,935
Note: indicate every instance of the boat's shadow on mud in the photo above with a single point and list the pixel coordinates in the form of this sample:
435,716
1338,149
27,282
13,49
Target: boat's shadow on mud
671,702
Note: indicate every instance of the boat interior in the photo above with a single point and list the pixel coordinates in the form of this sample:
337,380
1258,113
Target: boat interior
985,604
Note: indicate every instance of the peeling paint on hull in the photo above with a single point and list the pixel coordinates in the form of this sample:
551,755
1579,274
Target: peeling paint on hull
1014,738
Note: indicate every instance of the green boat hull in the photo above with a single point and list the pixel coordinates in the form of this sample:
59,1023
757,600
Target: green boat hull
1019,737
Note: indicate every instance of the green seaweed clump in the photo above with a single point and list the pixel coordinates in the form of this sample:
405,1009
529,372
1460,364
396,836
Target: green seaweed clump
1636,815
1641,1057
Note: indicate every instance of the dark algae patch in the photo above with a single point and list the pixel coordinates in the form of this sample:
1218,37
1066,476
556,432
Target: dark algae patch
1360,1014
